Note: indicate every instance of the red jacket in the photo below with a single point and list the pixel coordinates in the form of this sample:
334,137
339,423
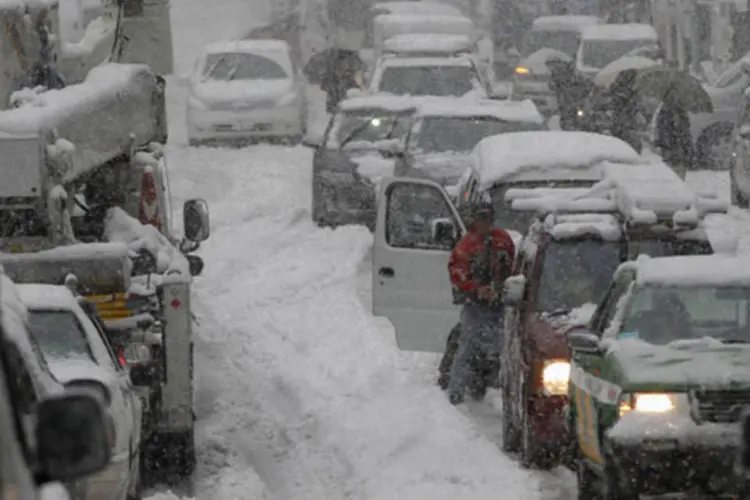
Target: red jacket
469,267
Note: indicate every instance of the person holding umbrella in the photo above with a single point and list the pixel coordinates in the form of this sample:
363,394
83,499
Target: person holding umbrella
337,69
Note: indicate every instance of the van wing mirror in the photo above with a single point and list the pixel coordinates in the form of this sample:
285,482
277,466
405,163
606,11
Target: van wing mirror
71,437
195,220
444,232
513,290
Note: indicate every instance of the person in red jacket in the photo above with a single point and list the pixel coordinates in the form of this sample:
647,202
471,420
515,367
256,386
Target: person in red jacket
479,265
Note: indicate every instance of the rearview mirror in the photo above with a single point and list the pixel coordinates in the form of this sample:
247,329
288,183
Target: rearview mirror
196,265
71,437
443,232
513,290
195,220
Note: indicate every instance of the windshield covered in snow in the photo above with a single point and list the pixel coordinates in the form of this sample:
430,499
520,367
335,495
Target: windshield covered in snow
663,314
599,53
516,220
429,80
444,133
576,272
368,126
564,41
241,66
59,334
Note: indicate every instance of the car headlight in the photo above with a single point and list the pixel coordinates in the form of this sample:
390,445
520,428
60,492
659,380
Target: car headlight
555,377
522,71
197,104
287,99
651,402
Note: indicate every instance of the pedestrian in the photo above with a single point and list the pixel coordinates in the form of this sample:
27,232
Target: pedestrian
344,70
571,90
673,137
625,102
478,266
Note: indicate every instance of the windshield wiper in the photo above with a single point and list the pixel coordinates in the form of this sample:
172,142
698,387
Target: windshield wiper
354,133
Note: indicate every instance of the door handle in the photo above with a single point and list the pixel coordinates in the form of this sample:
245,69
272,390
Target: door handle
386,272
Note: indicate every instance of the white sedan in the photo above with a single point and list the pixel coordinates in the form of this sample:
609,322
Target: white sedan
246,89
79,356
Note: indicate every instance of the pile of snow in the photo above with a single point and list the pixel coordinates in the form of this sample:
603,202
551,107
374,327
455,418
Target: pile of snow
122,228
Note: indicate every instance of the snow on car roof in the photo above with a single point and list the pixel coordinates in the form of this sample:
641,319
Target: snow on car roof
565,23
567,226
388,102
246,46
631,31
36,296
427,42
548,154
418,7
694,270
14,5
420,23
402,62
459,107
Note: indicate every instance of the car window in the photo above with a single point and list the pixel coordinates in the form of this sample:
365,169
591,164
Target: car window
429,80
110,358
360,126
606,311
59,335
440,134
410,212
239,66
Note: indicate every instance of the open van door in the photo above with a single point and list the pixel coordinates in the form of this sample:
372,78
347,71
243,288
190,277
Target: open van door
417,227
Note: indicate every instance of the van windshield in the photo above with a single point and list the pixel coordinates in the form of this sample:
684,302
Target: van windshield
576,272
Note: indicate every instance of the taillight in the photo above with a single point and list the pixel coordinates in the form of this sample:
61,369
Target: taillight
121,357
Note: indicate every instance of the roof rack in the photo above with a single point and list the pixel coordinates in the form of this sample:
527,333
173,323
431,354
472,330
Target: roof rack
643,194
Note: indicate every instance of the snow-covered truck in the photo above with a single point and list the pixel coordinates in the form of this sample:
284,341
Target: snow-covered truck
84,202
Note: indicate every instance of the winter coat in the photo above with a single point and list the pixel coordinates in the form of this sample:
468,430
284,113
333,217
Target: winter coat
473,264
624,102
673,136
570,88
342,67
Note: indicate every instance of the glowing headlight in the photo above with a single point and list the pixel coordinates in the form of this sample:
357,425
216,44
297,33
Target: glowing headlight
580,113
650,402
555,377
375,122
520,70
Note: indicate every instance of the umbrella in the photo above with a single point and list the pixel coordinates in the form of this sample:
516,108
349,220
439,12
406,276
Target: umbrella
609,73
688,92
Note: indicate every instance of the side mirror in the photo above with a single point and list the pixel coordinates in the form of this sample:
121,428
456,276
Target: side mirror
195,220
444,232
513,290
196,265
71,436
584,341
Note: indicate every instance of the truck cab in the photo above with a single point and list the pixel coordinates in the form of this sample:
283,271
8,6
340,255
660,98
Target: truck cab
564,267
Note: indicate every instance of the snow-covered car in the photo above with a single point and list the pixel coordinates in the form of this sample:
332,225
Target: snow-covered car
411,288
603,44
29,396
246,89
563,267
660,378
549,36
534,160
456,76
428,45
358,149
739,167
446,130
81,358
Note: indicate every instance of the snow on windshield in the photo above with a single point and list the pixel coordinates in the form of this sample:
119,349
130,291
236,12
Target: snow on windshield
441,80
564,41
575,272
599,53
59,335
664,314
367,126
242,66
461,134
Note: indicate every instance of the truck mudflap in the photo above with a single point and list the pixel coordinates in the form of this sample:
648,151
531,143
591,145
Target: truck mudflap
177,401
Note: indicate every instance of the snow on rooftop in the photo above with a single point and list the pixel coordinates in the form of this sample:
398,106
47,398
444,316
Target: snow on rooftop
567,226
420,7
384,101
394,24
631,31
695,270
550,153
503,110
428,42
426,62
243,46
565,23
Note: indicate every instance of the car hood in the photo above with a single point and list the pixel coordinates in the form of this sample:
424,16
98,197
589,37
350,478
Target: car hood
67,370
242,91
690,364
536,61
548,331
445,167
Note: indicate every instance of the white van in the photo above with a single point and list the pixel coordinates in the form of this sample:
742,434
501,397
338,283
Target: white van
603,44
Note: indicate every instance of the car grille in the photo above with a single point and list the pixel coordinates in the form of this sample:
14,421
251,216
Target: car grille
721,406
242,106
